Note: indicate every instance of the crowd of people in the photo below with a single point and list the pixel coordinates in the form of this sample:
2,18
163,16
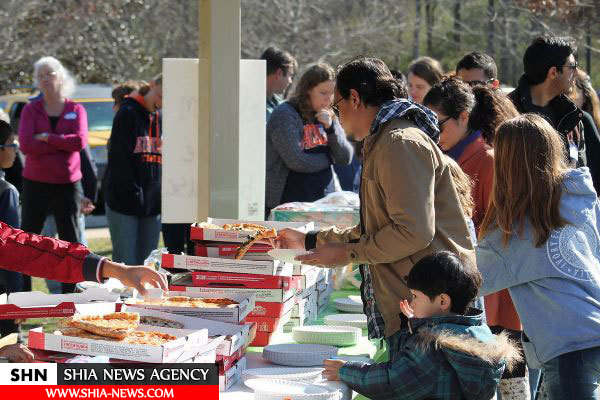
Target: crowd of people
478,240
466,190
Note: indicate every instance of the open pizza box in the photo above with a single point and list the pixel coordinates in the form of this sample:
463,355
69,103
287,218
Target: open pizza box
43,305
234,313
232,375
189,344
234,336
226,279
195,263
199,233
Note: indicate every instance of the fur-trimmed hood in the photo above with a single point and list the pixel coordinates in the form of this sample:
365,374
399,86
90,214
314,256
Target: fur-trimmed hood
469,347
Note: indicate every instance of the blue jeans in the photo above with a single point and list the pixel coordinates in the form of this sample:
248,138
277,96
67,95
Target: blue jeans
133,238
573,375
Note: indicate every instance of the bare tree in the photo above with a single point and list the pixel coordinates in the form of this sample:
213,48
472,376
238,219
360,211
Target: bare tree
417,29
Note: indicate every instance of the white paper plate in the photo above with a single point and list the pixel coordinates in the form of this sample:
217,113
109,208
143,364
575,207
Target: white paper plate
287,255
305,375
328,335
298,355
355,320
348,305
274,389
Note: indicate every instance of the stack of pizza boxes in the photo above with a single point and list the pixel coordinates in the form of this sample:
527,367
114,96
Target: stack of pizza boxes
213,270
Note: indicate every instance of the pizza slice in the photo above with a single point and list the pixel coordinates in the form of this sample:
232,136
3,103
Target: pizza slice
80,333
115,325
266,234
149,338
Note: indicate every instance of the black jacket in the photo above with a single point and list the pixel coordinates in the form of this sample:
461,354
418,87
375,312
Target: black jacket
592,148
567,119
134,161
89,172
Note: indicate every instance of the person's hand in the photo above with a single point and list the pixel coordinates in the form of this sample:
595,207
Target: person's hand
134,276
327,255
406,309
290,239
332,368
41,136
325,117
87,206
17,353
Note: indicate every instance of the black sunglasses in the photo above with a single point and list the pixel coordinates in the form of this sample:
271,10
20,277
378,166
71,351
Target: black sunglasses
478,83
572,67
9,146
441,123
335,109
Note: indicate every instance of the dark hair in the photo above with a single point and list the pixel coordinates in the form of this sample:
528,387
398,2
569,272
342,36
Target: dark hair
487,107
124,89
544,53
313,76
5,131
401,79
428,69
444,272
478,60
371,78
279,59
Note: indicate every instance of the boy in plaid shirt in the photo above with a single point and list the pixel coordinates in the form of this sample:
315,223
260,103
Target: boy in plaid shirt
443,349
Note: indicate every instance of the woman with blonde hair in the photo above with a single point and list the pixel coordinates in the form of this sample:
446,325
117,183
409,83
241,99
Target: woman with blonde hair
540,240
304,139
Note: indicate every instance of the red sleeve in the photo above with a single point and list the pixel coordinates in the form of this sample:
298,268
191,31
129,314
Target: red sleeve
41,256
76,140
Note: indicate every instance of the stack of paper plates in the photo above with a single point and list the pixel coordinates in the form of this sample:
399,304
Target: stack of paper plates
330,335
298,355
305,375
355,320
276,389
349,305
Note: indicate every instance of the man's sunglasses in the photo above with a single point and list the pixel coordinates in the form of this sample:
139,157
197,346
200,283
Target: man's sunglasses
480,83
335,108
572,67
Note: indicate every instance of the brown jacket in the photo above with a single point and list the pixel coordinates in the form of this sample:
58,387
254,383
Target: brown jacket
409,208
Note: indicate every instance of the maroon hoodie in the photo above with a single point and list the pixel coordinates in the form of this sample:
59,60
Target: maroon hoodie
56,161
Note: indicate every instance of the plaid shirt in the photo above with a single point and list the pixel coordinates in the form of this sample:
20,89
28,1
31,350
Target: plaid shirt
421,365
425,120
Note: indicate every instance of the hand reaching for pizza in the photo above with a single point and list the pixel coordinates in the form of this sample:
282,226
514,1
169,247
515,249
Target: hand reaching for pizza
290,239
134,276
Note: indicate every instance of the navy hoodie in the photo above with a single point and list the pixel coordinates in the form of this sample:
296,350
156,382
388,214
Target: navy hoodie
133,173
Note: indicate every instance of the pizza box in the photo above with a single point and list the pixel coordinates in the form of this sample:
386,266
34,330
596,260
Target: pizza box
226,362
298,321
261,295
250,281
196,263
235,336
304,305
265,338
309,291
198,233
268,309
302,269
257,252
269,324
233,314
188,344
310,278
232,375
43,305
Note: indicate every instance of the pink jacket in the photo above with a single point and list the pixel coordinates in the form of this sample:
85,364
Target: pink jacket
56,161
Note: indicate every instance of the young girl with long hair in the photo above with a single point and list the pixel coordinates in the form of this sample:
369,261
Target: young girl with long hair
539,239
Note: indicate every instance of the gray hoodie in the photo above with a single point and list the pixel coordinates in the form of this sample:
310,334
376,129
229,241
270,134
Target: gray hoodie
555,287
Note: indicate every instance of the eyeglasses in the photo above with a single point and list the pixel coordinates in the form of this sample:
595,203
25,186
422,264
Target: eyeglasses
482,83
48,75
572,67
441,123
335,108
9,146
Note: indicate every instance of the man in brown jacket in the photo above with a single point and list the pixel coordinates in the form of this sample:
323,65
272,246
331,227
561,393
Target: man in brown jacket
409,206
